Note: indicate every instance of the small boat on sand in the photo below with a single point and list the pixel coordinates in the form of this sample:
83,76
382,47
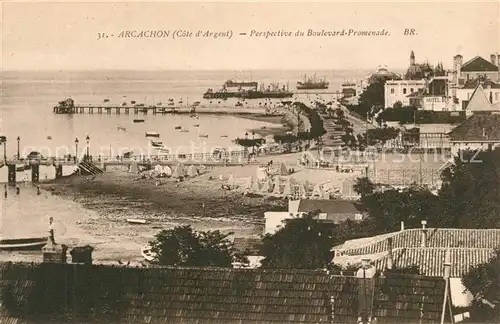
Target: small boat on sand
147,253
178,127
223,136
23,244
184,131
157,143
197,125
203,135
152,134
49,137
138,120
120,128
136,221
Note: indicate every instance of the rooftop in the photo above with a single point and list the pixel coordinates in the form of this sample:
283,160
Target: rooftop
336,210
67,293
436,238
479,64
478,128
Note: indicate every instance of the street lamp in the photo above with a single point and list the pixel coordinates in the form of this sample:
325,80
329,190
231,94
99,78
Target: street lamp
246,134
76,147
88,142
3,140
18,140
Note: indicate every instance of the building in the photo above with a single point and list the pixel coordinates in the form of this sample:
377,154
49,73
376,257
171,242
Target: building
75,293
426,249
418,71
471,70
478,86
400,91
478,132
331,211
434,97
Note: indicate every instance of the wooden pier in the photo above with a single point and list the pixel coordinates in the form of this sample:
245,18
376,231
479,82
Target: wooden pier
136,110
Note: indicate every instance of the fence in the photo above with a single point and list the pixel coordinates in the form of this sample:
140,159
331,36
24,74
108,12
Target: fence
404,177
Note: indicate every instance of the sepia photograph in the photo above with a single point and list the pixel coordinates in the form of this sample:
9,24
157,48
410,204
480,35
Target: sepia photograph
250,162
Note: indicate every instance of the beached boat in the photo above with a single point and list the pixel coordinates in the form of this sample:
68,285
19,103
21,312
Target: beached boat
23,244
120,128
178,127
163,150
184,131
156,143
197,125
138,120
223,136
152,134
49,137
147,253
203,135
136,221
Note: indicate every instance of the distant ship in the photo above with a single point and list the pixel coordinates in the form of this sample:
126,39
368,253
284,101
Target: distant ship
273,90
312,83
234,84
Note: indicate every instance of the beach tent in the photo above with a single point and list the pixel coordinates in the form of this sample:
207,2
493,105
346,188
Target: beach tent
301,191
230,181
283,171
277,186
167,170
179,171
192,171
267,186
255,185
158,168
261,173
288,188
133,168
317,191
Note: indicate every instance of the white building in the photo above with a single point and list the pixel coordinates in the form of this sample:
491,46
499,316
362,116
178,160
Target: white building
399,90
490,89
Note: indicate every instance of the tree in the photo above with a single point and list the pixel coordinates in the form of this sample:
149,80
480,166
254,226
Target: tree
483,281
182,246
470,193
303,243
363,186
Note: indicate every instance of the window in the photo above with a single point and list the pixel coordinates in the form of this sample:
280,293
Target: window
411,90
322,216
392,91
404,90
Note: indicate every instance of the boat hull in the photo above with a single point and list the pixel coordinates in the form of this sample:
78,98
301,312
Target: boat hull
27,244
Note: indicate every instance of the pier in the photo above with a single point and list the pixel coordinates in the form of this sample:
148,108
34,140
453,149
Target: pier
90,109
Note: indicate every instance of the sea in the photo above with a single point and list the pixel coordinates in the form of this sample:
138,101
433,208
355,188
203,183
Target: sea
26,111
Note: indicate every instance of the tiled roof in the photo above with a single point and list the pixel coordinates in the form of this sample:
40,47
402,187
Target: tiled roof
430,261
478,64
436,237
472,129
472,84
247,244
215,295
336,210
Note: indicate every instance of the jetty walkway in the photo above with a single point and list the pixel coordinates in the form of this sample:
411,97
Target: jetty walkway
154,110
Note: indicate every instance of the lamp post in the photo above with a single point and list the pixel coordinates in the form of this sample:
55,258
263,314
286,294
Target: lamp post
3,140
76,147
246,134
253,146
18,154
88,143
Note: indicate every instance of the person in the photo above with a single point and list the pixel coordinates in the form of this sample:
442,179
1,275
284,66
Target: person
38,190
51,230
18,190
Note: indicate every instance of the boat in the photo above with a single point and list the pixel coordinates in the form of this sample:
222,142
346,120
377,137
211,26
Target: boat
152,134
138,120
106,100
23,244
120,128
22,168
234,84
49,137
184,130
178,127
197,125
223,136
312,83
163,150
273,90
203,135
157,143
136,221
147,253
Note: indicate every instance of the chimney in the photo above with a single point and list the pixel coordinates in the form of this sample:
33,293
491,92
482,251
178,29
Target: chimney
402,226
366,284
447,264
493,59
53,252
424,234
390,258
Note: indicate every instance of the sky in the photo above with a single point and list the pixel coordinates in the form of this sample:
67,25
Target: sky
64,36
